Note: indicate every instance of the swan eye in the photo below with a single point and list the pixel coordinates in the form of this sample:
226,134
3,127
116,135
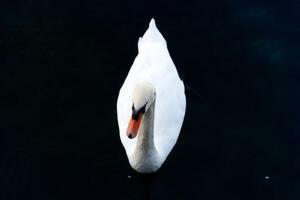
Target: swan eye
135,113
142,110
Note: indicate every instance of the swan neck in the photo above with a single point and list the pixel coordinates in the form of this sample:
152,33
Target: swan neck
145,140
145,158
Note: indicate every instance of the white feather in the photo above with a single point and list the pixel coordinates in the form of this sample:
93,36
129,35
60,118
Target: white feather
154,64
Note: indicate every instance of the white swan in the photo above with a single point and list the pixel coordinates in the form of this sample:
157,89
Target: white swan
151,104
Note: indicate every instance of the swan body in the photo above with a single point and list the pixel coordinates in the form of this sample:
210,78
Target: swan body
151,104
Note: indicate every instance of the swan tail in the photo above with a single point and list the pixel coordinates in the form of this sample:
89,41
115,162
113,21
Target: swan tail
152,35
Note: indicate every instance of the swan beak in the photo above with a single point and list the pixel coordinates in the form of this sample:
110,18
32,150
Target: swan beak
133,126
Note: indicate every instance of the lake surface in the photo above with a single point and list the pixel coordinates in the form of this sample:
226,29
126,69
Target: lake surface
63,63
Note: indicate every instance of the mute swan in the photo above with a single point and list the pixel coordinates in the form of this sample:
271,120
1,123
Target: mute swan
151,104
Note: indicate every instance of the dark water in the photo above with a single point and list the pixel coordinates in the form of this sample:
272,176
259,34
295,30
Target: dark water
62,64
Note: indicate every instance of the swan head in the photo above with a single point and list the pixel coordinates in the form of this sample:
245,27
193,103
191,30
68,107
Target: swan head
142,98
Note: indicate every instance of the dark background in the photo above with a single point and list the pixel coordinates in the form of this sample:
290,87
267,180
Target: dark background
62,64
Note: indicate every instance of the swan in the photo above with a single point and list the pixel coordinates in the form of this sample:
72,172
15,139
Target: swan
151,104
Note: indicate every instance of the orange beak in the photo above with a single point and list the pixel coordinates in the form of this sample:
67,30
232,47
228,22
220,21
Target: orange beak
133,126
